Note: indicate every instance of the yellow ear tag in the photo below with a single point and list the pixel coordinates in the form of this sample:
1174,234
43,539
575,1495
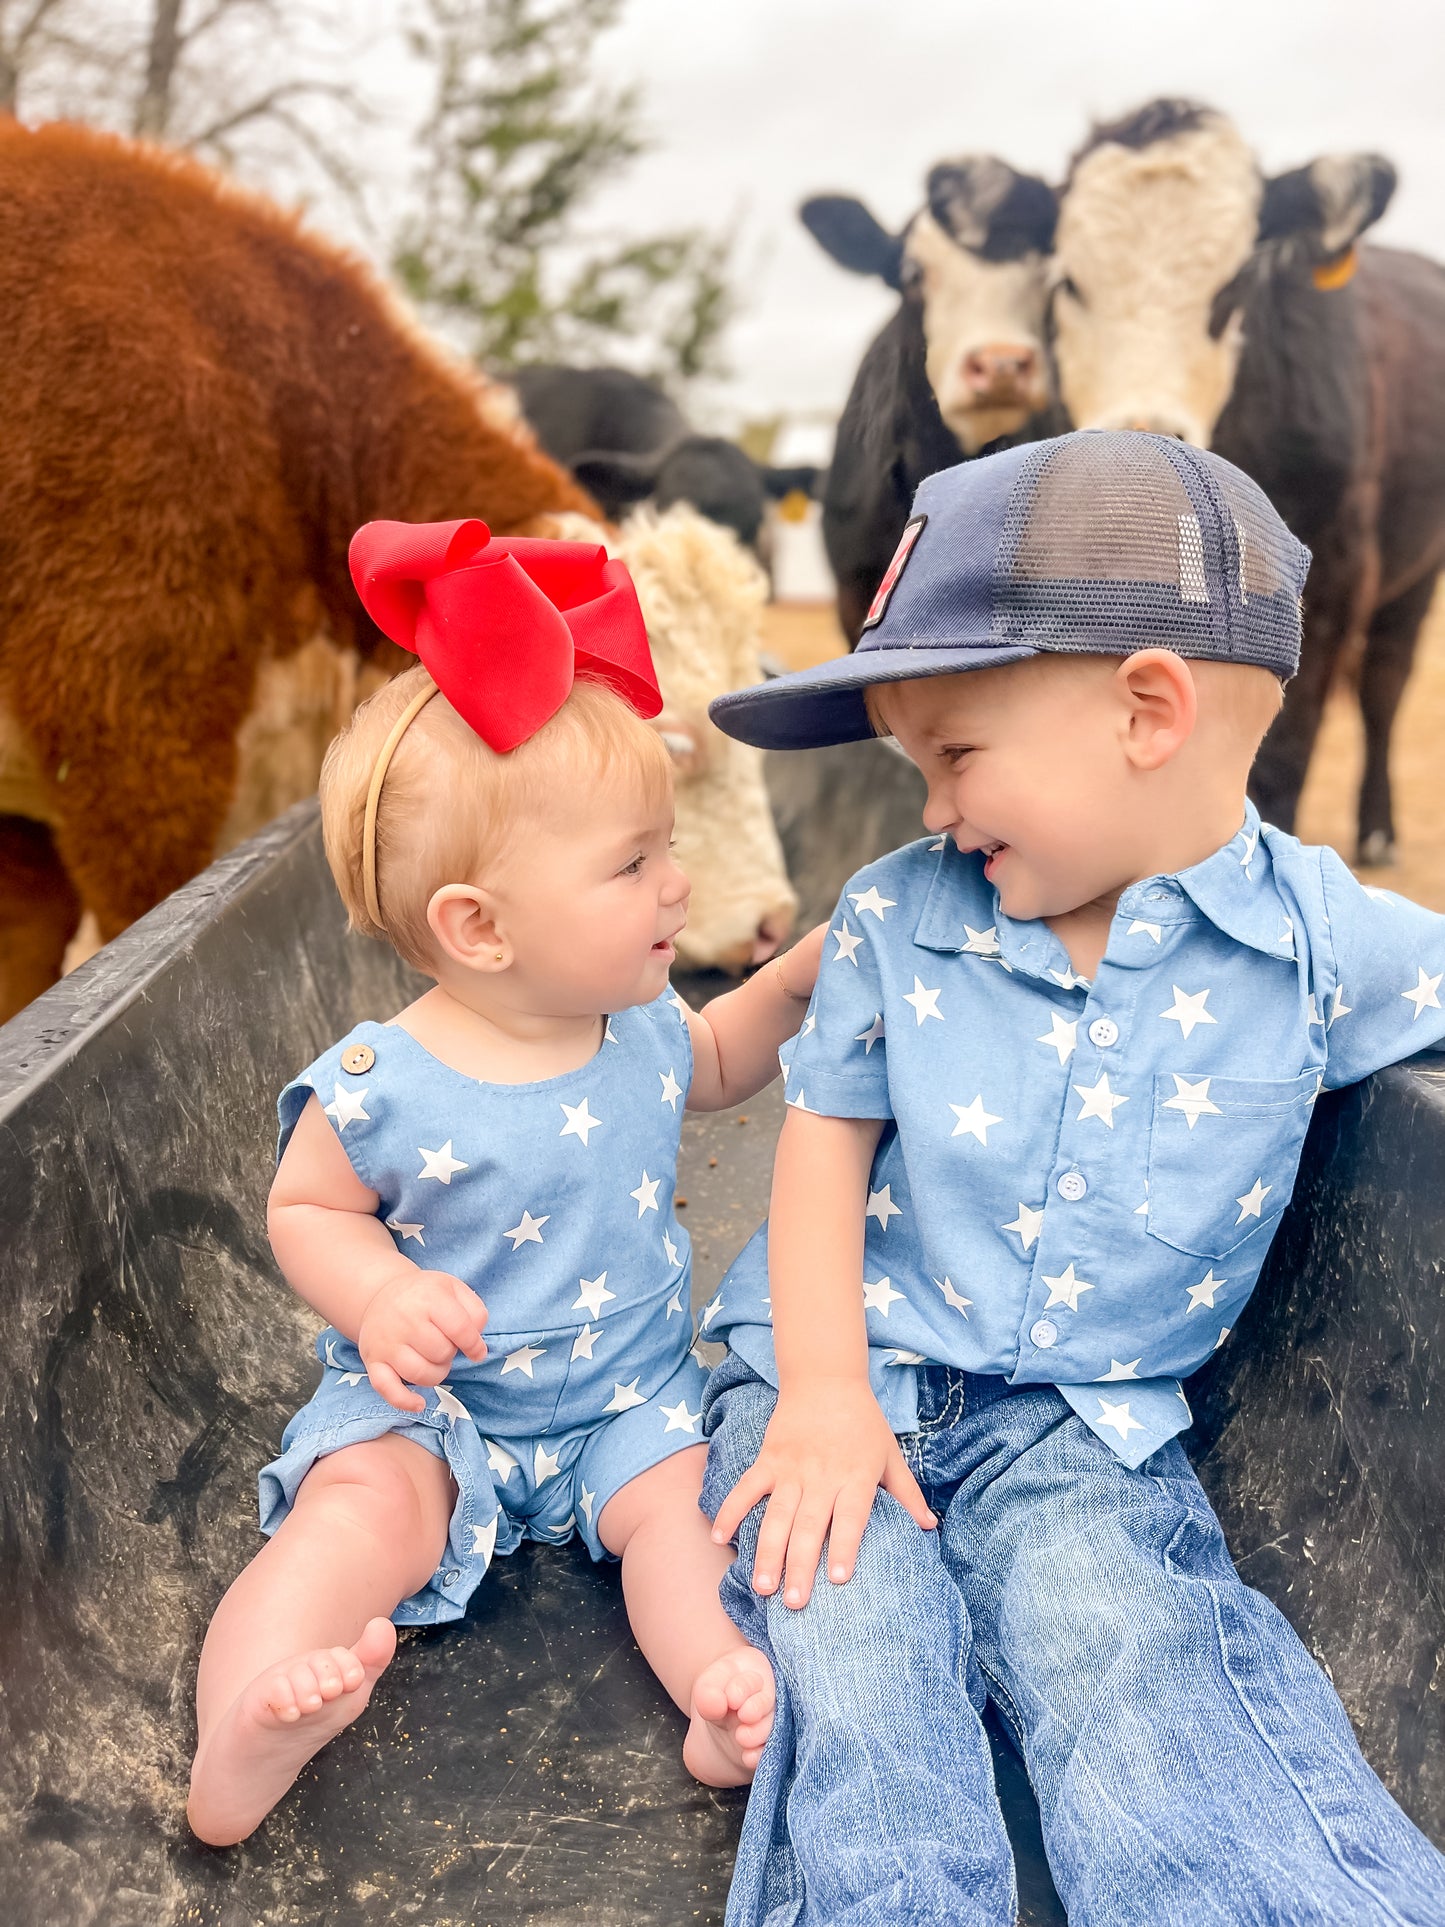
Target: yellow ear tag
794,506
1334,274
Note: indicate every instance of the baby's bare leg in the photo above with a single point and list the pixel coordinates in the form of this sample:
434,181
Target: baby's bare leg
671,1571
304,1633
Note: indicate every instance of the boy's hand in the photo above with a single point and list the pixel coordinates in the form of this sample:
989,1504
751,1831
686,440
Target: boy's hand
413,1329
826,1451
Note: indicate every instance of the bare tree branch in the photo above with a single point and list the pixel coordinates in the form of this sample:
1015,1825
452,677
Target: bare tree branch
163,50
270,106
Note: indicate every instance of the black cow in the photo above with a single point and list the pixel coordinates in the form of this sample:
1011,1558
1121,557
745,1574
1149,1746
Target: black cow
1317,367
627,442
961,364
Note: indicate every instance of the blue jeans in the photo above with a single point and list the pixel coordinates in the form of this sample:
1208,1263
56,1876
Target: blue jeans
1191,1761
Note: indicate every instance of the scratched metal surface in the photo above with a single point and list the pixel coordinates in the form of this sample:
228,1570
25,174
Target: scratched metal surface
522,1767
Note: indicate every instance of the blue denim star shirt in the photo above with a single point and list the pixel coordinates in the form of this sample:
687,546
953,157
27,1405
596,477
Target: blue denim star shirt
1078,1181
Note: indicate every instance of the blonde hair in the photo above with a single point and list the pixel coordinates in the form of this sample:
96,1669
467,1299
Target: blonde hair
450,806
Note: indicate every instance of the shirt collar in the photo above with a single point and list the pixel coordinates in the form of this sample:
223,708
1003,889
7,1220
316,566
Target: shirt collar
1234,888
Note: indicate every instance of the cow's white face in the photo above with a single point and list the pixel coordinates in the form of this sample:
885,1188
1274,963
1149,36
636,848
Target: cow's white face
1148,241
983,323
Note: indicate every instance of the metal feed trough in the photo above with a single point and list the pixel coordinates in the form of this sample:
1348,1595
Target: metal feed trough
523,1766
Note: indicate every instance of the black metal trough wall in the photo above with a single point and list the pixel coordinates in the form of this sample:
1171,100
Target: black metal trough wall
525,1767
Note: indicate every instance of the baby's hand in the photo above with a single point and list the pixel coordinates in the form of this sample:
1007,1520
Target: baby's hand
826,1451
413,1329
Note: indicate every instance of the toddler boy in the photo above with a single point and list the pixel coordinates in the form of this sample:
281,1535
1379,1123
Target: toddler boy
1048,1107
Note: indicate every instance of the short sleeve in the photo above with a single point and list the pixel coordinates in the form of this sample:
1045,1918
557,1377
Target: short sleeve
1385,1003
839,1064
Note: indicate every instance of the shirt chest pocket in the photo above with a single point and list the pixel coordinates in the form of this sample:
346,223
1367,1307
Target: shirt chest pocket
1223,1152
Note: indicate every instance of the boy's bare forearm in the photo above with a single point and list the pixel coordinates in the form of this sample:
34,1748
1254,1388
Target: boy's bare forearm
735,1040
336,1260
815,1248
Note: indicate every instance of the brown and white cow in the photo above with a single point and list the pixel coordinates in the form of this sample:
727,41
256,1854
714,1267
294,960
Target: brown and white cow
1194,296
960,364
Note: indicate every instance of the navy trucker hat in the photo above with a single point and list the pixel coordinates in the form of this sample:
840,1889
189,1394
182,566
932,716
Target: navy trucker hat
1096,543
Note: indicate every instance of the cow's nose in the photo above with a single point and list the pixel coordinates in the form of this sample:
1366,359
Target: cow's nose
997,369
773,932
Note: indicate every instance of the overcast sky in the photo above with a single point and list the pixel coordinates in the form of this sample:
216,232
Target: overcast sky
754,104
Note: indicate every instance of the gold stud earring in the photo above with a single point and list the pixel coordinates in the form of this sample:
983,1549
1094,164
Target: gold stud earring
497,955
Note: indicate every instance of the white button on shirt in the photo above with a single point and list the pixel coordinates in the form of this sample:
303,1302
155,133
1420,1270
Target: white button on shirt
1227,997
1044,1333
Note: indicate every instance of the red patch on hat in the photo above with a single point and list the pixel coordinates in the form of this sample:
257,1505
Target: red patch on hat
878,608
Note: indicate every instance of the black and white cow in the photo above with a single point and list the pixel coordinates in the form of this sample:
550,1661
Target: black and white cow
1194,296
626,441
961,364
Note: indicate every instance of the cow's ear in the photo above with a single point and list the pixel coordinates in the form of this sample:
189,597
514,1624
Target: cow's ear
845,229
614,476
1331,202
783,481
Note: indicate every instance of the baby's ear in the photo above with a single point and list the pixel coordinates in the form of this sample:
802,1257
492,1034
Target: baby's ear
462,918
1161,706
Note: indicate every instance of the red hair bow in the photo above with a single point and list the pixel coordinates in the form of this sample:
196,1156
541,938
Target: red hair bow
505,625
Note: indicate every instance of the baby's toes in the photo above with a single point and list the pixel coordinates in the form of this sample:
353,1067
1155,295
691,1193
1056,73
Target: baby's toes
710,1696
305,1684
278,1698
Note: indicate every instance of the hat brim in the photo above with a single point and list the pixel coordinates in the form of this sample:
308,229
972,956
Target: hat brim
814,708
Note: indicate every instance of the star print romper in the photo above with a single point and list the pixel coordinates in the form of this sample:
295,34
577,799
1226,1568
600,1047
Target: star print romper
554,1202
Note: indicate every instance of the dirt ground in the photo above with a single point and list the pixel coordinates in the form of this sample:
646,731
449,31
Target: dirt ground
801,635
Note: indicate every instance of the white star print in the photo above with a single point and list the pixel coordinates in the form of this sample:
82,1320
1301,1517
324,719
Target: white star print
1193,1099
1222,1336
880,1296
1286,935
671,1089
924,1002
592,1295
523,1359
695,1354
1065,1289
1062,1035
1179,1394
870,900
1118,1416
346,1107
528,1232
1116,1371
1188,1009
589,1499
671,1249
544,1465
584,1341
484,1541
680,1007
353,1378
646,1193
609,1035
1099,1101
1139,927
847,943
679,1419
580,1122
1026,1224
941,844
1339,1008
868,1038
624,1397
982,943
952,1296
332,1360
674,1304
405,1231
709,1311
973,1120
904,1358
1251,844
799,1103
499,1461
810,1024
448,1402
1067,980
439,1164
882,1207
1203,1292
1253,1198
1423,995
1314,1016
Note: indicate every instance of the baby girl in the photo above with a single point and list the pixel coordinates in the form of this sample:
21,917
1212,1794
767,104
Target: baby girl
477,1196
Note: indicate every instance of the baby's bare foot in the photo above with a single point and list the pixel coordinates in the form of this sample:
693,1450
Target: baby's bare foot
732,1716
271,1729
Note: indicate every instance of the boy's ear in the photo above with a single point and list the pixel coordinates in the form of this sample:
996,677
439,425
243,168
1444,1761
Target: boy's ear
462,918
1161,706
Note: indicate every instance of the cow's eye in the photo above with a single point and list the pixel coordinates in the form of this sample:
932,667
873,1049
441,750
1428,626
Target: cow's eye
910,275
1227,303
1066,284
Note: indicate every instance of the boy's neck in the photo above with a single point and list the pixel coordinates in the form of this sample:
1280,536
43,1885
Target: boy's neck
1084,931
